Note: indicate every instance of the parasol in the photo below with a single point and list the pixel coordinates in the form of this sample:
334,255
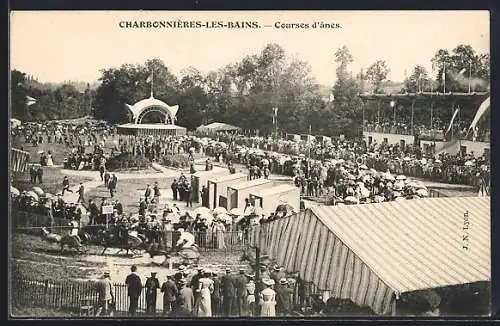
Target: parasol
469,163
37,190
401,177
399,199
14,192
363,167
225,218
41,151
422,193
236,211
220,210
351,200
407,158
32,194
201,210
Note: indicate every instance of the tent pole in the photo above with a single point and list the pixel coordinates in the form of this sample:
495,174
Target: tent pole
394,304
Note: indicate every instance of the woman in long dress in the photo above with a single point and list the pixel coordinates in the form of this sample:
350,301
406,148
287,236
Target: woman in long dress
268,299
206,288
219,229
49,159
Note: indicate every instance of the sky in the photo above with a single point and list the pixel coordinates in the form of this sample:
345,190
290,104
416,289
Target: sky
60,46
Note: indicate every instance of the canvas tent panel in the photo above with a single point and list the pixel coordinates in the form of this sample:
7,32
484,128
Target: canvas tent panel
423,226
368,249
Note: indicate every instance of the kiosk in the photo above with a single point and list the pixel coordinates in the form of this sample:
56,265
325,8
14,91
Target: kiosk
237,193
269,199
217,188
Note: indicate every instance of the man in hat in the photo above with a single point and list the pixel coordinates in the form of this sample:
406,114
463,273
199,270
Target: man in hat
240,283
156,192
66,185
228,292
134,284
195,284
277,274
147,193
174,186
216,295
186,297
81,192
152,285
106,295
170,293
283,298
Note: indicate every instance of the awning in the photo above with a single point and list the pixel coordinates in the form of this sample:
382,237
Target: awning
368,253
217,126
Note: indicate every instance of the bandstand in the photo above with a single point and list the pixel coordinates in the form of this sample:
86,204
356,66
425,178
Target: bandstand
152,116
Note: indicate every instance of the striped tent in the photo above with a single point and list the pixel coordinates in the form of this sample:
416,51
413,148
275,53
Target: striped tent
372,253
19,160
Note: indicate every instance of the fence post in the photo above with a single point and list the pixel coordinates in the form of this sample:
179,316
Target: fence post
45,292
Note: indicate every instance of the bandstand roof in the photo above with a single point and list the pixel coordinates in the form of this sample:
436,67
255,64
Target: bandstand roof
142,105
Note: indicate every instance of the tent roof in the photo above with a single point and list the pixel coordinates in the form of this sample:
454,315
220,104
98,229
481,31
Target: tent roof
218,126
417,244
368,252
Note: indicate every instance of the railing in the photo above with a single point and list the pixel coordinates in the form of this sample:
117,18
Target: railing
68,295
228,241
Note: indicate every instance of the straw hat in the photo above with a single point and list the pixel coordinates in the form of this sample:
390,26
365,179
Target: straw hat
283,281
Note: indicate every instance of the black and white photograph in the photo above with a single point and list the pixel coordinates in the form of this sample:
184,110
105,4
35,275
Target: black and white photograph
249,164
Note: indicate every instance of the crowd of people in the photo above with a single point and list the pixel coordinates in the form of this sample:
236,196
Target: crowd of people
210,292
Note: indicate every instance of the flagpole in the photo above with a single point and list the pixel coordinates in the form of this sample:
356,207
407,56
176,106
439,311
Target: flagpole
470,73
444,79
152,81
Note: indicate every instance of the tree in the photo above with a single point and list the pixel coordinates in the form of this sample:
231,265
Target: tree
418,81
128,85
463,66
376,74
347,106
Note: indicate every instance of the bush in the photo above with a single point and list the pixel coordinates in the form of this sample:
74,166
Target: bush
176,161
127,160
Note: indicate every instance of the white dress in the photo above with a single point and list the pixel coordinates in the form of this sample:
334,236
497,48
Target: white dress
205,306
49,160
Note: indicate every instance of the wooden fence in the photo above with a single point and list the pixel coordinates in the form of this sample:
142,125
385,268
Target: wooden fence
68,295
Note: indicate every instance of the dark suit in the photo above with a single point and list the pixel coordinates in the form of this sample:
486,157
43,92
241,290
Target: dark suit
170,293
228,294
240,283
283,300
216,297
152,285
134,291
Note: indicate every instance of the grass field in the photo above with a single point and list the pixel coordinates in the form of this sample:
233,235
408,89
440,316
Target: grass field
128,191
52,180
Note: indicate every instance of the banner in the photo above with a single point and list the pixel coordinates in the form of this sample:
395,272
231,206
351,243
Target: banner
19,160
480,112
452,119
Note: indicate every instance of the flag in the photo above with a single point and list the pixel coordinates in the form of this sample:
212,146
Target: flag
480,112
150,78
19,160
30,101
332,97
461,72
452,119
444,73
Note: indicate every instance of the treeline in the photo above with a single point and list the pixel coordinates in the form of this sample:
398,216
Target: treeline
244,93
63,101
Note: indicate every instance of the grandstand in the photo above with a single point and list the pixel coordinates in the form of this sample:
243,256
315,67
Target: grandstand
423,120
